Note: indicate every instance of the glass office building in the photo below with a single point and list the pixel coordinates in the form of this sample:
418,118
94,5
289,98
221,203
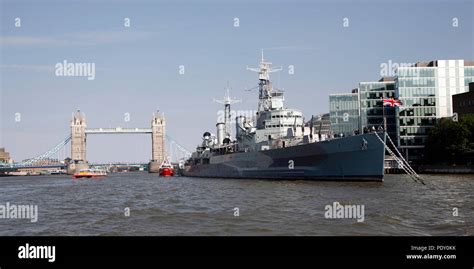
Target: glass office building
344,113
372,111
426,90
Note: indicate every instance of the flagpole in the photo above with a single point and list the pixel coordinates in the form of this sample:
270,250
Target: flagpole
384,119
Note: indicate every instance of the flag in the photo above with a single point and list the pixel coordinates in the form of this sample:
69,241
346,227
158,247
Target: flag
392,102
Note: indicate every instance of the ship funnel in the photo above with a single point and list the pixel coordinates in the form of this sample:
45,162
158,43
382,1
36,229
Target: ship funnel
239,125
220,133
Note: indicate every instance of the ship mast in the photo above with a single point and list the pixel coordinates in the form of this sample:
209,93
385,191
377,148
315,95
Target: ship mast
227,101
264,86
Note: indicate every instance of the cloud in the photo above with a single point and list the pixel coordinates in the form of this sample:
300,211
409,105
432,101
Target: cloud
77,39
30,40
291,48
97,38
23,67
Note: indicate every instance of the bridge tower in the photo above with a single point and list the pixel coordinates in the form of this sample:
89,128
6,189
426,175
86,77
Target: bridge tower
78,143
158,154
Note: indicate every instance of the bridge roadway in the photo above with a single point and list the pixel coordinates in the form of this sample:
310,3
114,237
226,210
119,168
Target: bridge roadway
118,130
9,168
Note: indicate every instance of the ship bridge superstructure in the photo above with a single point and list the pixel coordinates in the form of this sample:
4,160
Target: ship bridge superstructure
273,120
273,126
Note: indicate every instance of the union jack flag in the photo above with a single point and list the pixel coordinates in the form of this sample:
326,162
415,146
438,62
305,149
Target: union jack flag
392,102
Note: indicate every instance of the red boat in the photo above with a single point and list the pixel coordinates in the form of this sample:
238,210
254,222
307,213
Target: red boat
166,169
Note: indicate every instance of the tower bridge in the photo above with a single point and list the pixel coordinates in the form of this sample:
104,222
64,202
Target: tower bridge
78,139
79,132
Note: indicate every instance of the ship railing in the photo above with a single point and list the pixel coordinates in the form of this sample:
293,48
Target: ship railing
402,162
403,159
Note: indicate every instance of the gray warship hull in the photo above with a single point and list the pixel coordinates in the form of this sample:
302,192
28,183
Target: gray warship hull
354,158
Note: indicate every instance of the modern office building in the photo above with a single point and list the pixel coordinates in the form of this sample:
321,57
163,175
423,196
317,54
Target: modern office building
372,111
463,103
344,113
426,91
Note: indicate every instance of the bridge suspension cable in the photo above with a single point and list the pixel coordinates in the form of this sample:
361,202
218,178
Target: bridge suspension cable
46,155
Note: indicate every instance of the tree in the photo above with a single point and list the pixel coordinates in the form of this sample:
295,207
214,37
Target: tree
468,121
450,142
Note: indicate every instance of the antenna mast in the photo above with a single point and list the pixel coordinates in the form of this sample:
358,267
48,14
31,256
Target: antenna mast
265,86
227,101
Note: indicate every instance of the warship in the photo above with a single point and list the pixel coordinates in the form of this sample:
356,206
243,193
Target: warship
277,144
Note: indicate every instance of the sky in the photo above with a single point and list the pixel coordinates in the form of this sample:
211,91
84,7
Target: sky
137,68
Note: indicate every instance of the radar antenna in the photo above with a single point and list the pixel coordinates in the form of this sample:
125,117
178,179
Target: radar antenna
264,69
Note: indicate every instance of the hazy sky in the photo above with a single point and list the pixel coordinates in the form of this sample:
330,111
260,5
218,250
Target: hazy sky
137,68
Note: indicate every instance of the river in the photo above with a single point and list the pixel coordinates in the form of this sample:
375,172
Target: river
139,203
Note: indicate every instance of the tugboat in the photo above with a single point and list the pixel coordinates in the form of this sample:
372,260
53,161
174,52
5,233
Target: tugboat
166,169
90,173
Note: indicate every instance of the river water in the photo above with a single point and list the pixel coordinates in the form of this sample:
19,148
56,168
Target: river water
139,203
